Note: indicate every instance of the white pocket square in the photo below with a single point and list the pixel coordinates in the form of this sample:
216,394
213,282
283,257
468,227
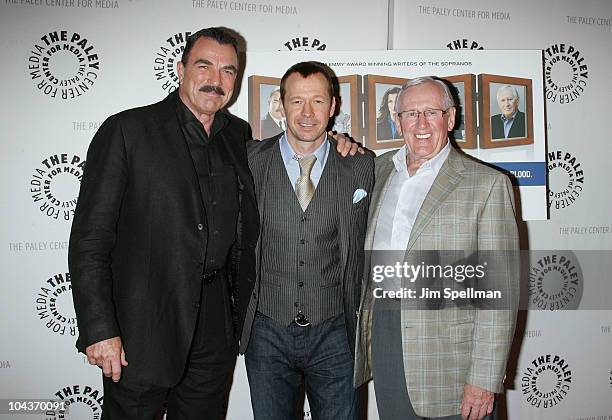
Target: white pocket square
358,195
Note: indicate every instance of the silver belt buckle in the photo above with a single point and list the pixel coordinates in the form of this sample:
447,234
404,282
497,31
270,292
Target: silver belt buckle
301,320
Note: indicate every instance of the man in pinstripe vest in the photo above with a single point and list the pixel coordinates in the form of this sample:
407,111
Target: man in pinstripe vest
313,206
433,361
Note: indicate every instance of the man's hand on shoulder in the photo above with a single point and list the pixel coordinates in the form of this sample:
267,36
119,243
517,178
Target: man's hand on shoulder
109,355
476,403
345,145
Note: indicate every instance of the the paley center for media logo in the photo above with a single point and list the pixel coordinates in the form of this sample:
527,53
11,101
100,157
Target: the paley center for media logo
64,64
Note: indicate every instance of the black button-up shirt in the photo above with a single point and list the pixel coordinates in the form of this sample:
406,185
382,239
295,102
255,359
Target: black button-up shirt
218,183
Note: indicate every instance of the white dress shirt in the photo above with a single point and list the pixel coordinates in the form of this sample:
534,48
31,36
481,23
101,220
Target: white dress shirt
403,199
399,209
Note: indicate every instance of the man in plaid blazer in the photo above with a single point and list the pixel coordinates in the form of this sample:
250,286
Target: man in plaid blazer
449,362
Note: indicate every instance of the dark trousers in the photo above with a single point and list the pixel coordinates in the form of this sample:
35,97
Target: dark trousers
392,399
202,392
279,356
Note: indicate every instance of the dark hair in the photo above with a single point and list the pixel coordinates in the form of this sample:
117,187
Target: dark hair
307,68
383,109
221,35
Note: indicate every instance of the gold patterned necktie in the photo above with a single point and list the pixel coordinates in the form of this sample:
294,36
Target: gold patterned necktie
304,187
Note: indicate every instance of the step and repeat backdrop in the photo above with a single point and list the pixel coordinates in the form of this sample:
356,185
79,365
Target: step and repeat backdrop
69,64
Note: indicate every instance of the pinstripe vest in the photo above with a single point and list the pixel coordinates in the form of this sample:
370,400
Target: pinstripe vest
300,253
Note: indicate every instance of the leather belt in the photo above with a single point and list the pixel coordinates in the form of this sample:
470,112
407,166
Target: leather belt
301,320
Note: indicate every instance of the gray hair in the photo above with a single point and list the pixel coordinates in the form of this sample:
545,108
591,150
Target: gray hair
509,87
447,97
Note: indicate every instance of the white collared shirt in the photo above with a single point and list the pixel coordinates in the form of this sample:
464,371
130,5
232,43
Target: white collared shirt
403,200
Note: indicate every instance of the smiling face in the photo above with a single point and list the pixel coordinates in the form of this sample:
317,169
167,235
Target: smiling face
207,80
507,102
424,138
308,107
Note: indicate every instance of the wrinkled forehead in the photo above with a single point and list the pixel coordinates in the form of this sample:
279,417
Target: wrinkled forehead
213,51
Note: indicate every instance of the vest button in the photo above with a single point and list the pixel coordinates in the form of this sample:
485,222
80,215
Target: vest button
200,226
301,263
301,284
296,304
302,241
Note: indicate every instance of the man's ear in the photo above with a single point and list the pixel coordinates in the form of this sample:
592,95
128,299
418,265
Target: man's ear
332,110
452,111
180,69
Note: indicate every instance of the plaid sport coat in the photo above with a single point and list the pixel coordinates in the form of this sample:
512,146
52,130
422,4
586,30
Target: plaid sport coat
469,207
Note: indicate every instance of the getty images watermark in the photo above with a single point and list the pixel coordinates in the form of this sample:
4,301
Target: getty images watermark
439,279
528,279
411,273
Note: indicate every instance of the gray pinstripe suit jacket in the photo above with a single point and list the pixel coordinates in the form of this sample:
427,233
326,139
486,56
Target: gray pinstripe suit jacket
469,207
353,172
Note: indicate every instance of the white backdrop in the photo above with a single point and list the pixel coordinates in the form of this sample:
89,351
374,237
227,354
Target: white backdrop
126,47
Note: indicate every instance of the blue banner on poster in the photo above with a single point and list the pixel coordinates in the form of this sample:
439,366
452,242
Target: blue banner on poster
525,174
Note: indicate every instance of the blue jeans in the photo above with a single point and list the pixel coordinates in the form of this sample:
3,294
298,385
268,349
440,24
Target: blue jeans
279,357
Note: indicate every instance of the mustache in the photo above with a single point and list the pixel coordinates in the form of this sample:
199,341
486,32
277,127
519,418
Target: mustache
215,89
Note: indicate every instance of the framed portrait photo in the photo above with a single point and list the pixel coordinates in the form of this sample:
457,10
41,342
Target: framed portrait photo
266,114
347,115
381,92
506,111
463,89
